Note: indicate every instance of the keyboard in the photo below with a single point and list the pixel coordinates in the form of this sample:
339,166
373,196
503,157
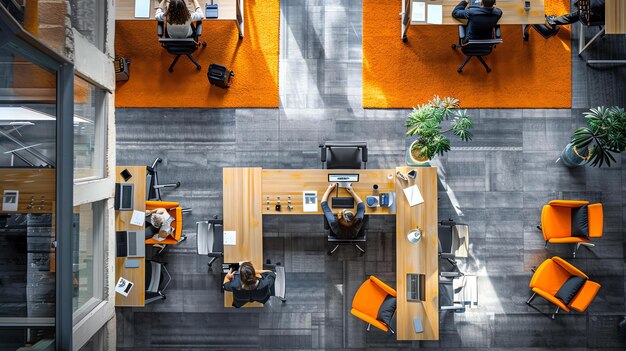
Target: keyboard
415,286
342,202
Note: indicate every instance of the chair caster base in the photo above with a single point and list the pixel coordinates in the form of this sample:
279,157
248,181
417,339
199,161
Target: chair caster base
488,70
404,39
459,70
454,46
204,44
170,70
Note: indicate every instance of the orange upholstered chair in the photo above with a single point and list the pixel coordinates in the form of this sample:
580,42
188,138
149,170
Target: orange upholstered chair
175,211
553,281
368,300
556,222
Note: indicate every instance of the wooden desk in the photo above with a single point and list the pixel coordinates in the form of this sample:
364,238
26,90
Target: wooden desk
513,12
245,201
137,295
232,10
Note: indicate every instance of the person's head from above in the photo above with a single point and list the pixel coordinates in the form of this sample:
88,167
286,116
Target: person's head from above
347,219
156,221
247,275
488,3
177,12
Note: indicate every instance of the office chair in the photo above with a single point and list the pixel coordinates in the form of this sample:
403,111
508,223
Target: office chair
179,47
280,284
153,188
375,303
361,238
453,238
344,155
571,222
177,236
157,280
563,285
210,239
477,47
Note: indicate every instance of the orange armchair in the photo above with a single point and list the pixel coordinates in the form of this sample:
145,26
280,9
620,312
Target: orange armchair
556,224
175,211
549,280
369,299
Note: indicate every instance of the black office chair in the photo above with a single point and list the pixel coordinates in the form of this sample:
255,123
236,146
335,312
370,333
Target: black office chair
210,239
477,48
157,280
360,239
179,47
344,155
153,188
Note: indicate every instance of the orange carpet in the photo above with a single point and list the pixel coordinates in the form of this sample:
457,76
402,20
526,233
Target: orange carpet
525,74
254,59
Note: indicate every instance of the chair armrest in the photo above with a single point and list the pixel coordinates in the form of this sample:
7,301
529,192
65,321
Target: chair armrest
323,152
568,203
568,267
462,31
150,205
364,154
551,299
368,319
383,286
198,28
596,220
497,32
160,28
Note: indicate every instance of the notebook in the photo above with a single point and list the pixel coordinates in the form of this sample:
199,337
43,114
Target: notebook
413,195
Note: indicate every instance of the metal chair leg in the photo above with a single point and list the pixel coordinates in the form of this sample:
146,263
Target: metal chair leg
575,249
369,326
555,312
333,250
211,261
198,67
171,69
546,245
531,298
460,69
360,249
480,58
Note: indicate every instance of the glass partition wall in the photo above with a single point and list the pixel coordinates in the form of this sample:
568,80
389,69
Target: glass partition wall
35,182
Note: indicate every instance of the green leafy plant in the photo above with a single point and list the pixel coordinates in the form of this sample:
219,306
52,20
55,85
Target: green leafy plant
425,121
604,135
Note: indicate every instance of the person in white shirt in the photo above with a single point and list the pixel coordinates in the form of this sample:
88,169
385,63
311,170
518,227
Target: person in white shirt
178,17
161,220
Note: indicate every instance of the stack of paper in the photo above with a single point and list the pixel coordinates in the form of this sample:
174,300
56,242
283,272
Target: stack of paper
435,14
413,195
418,13
230,237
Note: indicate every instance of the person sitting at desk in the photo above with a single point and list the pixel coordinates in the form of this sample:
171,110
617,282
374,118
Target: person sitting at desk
481,20
178,17
158,225
596,15
248,284
346,225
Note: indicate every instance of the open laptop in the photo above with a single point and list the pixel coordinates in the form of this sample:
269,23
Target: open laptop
130,243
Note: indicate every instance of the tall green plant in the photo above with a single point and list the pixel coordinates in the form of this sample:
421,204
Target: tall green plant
425,121
604,135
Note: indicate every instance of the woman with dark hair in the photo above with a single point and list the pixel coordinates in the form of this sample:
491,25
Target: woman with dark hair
178,17
248,284
346,225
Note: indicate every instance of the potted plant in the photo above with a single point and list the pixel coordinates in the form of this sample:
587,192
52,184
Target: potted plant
425,122
595,144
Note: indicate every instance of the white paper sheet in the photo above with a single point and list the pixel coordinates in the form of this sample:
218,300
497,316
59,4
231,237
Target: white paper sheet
309,202
123,286
435,14
418,13
413,195
142,8
230,237
138,218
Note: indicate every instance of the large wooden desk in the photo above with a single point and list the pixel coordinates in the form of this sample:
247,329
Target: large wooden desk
137,295
513,12
227,10
246,193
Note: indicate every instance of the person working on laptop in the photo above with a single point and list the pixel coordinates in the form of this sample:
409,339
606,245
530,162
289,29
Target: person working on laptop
248,284
178,17
346,225
158,224
481,20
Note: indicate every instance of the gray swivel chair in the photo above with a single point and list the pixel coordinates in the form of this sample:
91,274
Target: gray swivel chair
157,280
210,239
179,47
477,48
280,282
357,242
344,155
153,187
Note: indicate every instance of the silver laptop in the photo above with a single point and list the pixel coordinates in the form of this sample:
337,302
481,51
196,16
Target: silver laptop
136,243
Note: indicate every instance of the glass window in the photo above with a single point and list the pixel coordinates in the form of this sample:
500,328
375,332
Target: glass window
88,228
88,18
89,130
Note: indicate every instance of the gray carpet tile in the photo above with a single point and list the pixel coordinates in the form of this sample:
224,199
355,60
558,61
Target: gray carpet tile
497,184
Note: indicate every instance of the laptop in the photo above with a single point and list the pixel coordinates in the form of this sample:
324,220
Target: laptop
415,287
130,243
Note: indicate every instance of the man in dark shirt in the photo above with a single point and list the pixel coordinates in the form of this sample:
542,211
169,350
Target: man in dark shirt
551,28
248,284
481,20
346,225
